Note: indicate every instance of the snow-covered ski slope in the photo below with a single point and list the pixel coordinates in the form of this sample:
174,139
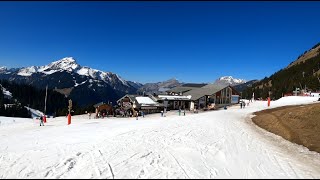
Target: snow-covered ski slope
214,144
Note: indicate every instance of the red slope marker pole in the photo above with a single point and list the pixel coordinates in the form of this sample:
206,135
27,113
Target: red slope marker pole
69,118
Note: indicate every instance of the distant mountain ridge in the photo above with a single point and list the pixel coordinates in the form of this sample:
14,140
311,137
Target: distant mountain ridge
244,86
159,87
86,85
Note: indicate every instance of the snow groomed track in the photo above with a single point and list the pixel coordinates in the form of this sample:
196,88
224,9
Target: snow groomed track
214,144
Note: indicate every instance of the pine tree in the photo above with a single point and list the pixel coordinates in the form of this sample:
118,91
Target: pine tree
286,80
1,102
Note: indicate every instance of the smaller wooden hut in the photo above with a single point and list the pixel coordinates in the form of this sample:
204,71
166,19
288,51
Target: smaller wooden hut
102,107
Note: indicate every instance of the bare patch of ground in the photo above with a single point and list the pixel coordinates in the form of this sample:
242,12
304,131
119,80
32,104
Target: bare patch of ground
298,124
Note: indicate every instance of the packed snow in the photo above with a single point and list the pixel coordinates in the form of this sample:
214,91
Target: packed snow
7,94
213,144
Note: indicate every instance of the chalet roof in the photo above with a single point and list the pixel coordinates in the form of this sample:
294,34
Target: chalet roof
215,86
130,96
181,89
204,91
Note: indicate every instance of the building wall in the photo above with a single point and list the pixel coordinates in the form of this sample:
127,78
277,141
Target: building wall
224,96
191,106
105,108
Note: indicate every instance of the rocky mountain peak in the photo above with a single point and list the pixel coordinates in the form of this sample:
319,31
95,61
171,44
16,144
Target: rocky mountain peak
67,63
229,80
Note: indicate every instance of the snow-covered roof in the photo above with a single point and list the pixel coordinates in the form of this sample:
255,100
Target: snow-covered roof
145,100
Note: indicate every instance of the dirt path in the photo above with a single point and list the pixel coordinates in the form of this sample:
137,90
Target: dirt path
298,124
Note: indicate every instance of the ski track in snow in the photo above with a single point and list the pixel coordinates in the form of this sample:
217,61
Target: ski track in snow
214,144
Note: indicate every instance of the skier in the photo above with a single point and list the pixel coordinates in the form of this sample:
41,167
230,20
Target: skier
184,112
240,104
137,114
41,120
142,114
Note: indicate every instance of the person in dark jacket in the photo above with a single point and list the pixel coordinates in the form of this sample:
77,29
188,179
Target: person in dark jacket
41,120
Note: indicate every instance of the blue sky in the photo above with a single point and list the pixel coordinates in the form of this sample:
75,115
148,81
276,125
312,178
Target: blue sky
154,41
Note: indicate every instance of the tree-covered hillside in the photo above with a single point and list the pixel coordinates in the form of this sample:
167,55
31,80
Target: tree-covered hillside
26,95
301,75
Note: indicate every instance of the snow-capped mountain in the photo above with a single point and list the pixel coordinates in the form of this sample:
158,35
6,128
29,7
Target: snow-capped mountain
242,87
69,64
73,78
3,68
66,64
229,80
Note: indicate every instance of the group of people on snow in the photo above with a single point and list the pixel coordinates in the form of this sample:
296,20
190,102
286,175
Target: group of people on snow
243,104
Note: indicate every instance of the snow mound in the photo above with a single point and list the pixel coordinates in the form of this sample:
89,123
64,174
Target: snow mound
295,100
